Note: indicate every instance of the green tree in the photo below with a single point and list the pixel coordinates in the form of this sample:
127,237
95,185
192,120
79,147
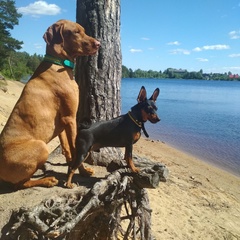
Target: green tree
131,75
138,73
150,73
20,65
8,19
33,62
125,72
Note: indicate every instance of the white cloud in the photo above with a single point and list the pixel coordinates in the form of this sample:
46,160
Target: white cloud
40,8
212,47
150,48
232,68
38,45
145,38
133,50
180,51
202,59
176,43
197,49
216,47
234,55
234,34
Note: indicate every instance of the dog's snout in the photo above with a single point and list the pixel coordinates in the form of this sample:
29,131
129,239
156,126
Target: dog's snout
154,118
96,44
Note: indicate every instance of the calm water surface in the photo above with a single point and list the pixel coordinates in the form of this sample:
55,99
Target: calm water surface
199,117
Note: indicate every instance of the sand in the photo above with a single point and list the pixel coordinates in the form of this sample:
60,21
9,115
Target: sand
198,201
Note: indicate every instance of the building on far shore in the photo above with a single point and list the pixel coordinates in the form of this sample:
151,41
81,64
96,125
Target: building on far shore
233,76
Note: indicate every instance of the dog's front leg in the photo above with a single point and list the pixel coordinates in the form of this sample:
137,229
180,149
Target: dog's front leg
70,176
66,151
78,164
70,138
128,158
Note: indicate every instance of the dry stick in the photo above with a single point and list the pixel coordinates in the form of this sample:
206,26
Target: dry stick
93,203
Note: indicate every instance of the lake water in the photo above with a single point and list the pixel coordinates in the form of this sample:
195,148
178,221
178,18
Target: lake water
198,117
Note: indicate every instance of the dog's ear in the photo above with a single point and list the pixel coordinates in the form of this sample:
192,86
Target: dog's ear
155,95
53,35
142,96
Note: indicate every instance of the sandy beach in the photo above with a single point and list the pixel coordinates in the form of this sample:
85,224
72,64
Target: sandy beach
198,201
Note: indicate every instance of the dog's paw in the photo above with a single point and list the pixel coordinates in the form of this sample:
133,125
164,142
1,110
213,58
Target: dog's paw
70,185
50,181
86,172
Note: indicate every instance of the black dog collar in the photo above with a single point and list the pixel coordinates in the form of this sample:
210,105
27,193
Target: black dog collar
139,124
59,61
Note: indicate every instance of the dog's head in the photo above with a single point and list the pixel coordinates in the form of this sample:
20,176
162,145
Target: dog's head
148,106
68,39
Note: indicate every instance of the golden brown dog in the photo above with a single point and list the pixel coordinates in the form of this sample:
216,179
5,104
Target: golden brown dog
46,108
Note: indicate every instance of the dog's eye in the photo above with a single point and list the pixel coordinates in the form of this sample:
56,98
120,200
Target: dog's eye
154,107
150,109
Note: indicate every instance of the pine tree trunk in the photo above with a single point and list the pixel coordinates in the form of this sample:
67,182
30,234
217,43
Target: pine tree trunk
99,76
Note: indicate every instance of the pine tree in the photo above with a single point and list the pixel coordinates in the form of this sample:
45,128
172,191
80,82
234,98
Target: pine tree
8,19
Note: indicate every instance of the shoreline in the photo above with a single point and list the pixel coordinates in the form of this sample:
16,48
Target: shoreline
218,163
202,159
204,197
198,200
143,144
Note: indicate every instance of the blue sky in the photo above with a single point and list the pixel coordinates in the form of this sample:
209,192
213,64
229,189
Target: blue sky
155,34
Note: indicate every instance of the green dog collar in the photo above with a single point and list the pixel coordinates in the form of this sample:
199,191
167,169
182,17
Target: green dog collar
59,61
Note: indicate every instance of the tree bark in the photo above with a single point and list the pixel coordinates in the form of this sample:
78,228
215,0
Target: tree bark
99,76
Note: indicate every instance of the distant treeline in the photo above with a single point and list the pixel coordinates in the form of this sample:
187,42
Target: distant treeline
20,64
178,74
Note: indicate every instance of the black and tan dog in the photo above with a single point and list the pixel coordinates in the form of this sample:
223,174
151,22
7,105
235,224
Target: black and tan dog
122,131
